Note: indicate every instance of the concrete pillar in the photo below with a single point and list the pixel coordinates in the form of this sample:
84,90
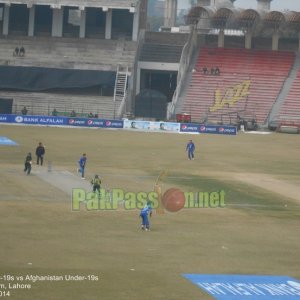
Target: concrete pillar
143,14
264,4
135,26
31,21
108,24
138,81
6,19
248,39
170,13
82,22
57,22
299,41
275,40
221,39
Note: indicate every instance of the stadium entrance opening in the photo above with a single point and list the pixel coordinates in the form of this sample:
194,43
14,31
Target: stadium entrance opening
162,81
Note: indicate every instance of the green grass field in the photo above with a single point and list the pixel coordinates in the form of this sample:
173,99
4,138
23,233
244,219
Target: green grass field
257,232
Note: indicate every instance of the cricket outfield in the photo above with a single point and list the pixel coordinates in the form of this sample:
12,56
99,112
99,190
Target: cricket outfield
49,251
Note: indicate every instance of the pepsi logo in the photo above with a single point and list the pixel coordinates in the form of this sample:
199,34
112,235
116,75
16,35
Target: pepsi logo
90,122
202,128
19,119
221,129
108,123
183,127
71,121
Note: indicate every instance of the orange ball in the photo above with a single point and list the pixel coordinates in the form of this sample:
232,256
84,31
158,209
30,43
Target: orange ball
173,200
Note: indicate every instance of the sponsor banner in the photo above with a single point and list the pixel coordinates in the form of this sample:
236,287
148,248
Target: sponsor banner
127,124
218,129
137,125
151,126
250,287
5,118
38,120
165,126
64,121
94,123
77,121
114,124
189,127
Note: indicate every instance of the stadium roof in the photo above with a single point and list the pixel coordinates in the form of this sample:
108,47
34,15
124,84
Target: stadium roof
293,17
220,17
249,15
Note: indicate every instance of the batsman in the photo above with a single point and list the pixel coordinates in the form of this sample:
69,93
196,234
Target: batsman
27,164
96,182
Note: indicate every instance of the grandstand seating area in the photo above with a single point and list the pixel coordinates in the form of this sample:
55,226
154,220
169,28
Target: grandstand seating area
45,103
162,47
68,53
248,84
290,110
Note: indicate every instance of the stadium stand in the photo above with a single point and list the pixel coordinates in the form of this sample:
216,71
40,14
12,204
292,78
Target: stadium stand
247,86
45,103
77,56
68,53
162,47
111,36
290,110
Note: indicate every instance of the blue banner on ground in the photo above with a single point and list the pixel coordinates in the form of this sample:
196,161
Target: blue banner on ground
6,141
250,287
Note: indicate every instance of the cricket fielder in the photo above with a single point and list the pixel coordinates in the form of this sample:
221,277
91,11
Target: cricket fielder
190,148
82,163
147,210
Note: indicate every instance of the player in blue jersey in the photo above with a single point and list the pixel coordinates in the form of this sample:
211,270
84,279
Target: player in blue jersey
145,212
190,148
82,163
